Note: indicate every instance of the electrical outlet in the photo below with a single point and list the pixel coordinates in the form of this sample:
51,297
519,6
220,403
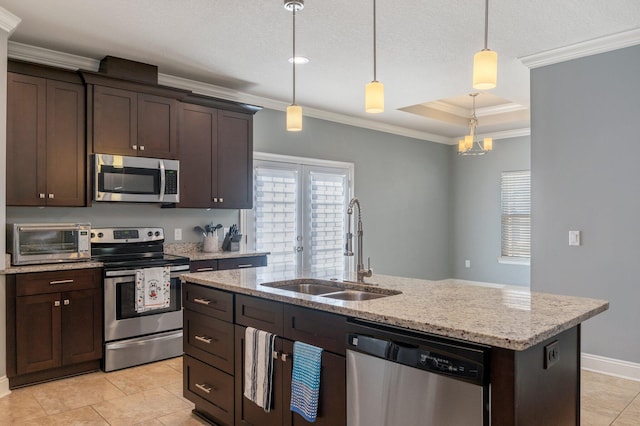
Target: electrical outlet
467,263
177,234
551,354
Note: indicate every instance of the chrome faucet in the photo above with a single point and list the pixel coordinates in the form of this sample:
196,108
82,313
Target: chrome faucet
360,271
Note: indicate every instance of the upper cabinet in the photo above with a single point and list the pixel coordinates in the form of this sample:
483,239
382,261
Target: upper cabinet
216,155
46,149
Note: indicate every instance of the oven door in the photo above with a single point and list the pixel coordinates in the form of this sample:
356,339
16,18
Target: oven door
121,320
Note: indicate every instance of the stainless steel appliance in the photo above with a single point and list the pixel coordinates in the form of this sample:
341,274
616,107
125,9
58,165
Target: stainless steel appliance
132,337
135,179
395,377
31,243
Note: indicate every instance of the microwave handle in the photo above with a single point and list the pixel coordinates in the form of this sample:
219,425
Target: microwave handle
162,180
48,227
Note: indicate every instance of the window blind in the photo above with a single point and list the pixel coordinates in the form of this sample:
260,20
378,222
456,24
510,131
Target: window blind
516,213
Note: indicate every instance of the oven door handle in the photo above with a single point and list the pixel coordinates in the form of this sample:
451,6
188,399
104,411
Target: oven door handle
175,272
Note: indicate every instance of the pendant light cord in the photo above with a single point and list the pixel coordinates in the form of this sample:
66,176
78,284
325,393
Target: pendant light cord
294,55
374,41
486,23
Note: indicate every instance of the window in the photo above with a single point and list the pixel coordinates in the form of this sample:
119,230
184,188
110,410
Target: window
300,212
516,217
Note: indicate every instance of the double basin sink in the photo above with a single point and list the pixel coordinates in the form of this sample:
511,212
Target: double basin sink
332,289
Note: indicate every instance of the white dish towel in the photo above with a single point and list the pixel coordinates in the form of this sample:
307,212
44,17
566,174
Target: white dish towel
153,287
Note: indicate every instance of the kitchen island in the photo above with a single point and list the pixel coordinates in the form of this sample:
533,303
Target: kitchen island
534,338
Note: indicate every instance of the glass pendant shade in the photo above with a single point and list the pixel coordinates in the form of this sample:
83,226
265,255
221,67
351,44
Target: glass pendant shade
485,69
374,97
294,118
487,145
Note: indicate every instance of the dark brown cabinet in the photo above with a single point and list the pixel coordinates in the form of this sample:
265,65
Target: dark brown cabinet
208,265
216,156
54,324
126,122
46,148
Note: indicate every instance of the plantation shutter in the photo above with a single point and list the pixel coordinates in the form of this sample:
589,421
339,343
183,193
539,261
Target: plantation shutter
516,213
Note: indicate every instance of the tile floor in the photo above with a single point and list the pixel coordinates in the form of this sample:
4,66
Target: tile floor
151,395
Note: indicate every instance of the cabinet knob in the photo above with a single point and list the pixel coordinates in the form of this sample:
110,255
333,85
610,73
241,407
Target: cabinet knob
141,147
215,200
56,303
50,195
221,200
134,147
66,302
41,195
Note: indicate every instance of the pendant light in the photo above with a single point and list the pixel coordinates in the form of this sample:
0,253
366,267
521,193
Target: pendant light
469,146
374,91
485,62
294,112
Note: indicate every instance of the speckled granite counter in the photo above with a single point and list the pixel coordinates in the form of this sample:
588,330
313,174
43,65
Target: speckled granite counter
509,317
194,252
46,267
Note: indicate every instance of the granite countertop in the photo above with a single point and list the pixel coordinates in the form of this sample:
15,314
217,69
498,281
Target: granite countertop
194,252
47,267
509,317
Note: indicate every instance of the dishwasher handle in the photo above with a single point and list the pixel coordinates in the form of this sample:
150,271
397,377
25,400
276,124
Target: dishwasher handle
371,345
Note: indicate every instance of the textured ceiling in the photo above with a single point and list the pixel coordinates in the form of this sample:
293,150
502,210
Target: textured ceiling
425,48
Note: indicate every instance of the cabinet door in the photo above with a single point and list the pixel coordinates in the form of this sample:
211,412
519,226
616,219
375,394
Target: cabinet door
332,399
66,147
26,138
38,332
157,127
247,412
198,147
115,121
235,160
81,326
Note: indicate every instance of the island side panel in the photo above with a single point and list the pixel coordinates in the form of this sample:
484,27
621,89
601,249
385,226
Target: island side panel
524,392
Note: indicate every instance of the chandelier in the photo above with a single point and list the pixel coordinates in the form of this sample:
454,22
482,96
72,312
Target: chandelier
468,145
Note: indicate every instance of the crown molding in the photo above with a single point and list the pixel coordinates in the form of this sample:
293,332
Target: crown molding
54,58
506,134
8,21
480,112
582,49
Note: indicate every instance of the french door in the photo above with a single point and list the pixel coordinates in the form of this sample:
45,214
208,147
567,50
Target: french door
300,214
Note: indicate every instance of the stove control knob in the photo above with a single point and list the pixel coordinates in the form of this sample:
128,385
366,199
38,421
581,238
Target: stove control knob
157,233
100,235
149,234
93,235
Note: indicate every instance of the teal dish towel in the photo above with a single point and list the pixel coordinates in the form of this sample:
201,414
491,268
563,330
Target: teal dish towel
305,380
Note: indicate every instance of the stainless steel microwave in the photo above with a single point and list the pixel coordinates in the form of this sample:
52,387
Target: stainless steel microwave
31,243
135,179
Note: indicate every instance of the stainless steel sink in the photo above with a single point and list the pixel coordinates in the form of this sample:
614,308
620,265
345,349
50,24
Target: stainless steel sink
314,287
331,289
355,295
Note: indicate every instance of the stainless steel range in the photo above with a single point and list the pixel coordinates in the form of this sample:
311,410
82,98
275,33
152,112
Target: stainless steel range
135,334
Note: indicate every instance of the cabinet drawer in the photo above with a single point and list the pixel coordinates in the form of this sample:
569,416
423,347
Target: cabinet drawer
210,389
317,328
259,313
203,265
57,281
210,340
208,301
242,262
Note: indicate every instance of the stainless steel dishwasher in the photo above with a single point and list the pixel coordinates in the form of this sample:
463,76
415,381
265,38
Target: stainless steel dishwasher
396,377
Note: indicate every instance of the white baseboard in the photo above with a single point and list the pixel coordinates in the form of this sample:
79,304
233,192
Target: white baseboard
611,366
4,386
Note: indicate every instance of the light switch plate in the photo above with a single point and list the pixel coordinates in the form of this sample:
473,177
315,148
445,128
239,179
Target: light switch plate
177,234
574,238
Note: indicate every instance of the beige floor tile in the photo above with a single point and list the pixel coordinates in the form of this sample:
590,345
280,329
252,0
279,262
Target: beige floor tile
80,391
175,363
140,407
19,405
150,376
604,397
182,418
78,417
631,415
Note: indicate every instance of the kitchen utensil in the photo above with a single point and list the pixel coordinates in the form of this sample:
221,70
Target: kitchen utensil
200,229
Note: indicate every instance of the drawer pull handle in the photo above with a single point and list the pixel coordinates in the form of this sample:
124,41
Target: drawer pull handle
60,282
205,339
203,301
245,265
204,269
204,388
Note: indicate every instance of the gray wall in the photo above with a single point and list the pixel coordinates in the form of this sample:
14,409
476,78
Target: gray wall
476,212
401,182
585,154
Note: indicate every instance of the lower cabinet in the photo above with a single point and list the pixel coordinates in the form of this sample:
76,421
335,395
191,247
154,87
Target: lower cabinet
214,357
54,325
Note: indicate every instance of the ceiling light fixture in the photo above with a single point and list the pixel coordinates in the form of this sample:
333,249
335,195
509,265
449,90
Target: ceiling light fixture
468,146
485,62
294,112
374,91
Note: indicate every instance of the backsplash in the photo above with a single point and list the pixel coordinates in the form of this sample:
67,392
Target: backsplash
130,214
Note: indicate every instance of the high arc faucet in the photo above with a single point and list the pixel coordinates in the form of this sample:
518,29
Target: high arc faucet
361,272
